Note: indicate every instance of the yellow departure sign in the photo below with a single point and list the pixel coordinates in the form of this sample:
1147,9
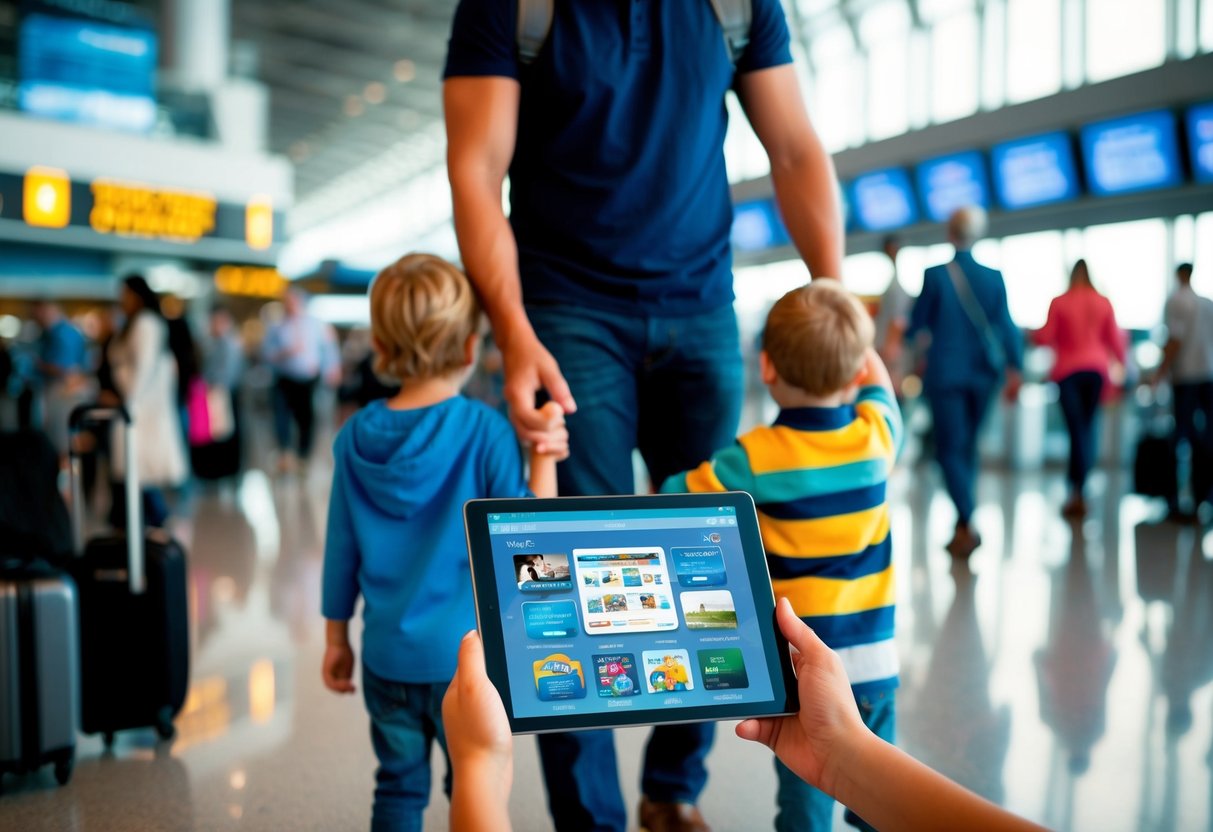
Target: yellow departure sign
133,210
250,281
47,198
259,223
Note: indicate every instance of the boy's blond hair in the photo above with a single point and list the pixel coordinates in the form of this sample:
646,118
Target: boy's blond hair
423,310
817,337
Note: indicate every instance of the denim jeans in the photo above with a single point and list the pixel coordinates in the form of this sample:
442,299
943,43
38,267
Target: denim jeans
405,719
803,808
671,387
1194,424
1079,394
957,414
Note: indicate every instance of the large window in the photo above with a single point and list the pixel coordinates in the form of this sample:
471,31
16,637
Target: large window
1033,49
954,66
1124,36
1129,263
1035,271
885,31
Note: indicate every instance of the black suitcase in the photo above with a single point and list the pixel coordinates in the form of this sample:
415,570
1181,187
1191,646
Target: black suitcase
39,669
1154,467
134,632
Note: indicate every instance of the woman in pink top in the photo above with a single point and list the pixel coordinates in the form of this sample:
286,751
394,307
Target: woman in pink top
1081,329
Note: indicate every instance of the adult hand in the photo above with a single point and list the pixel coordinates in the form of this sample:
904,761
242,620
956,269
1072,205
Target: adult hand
529,367
477,730
1013,385
814,742
338,668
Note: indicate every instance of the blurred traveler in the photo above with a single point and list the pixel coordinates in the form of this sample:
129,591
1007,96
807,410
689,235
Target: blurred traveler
62,367
1188,360
892,319
403,469
617,243
973,344
298,352
145,378
222,370
1081,329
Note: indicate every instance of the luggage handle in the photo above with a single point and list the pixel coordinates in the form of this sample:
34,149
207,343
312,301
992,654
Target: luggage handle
94,414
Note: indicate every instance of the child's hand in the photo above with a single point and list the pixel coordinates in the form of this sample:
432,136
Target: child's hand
477,730
338,668
553,441
813,741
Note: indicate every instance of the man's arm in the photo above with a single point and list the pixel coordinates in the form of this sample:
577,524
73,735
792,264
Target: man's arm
481,125
801,170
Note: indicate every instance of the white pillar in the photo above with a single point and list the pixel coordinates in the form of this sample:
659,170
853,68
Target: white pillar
196,39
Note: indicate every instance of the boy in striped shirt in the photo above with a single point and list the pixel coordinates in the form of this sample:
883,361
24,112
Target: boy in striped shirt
818,477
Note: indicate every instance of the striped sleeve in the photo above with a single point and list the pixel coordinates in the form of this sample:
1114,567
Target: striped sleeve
727,470
879,403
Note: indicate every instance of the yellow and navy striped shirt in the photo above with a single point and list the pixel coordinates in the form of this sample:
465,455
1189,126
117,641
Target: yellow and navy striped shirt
818,477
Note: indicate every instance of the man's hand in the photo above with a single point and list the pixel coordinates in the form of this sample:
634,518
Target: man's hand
1014,383
529,367
338,668
828,726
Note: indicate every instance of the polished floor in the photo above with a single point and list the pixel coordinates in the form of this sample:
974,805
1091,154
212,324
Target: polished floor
1066,673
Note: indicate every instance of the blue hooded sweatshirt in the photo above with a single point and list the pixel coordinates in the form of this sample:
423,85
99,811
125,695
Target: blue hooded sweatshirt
395,528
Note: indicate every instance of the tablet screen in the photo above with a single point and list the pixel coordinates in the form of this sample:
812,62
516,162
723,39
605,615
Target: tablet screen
628,614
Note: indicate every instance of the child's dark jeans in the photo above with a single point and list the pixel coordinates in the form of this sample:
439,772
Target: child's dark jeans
405,720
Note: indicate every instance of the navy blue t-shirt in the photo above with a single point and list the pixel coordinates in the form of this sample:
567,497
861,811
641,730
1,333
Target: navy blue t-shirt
618,191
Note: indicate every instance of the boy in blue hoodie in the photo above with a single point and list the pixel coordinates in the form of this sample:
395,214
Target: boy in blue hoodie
404,467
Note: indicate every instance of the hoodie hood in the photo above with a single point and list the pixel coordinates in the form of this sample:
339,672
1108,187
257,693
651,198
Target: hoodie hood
397,457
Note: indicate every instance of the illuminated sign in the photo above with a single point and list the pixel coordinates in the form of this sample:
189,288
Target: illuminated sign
1136,153
136,210
948,183
250,281
47,199
259,223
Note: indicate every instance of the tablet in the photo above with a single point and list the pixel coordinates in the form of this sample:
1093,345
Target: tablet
605,612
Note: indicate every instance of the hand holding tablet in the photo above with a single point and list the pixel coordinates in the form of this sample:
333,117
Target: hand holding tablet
615,611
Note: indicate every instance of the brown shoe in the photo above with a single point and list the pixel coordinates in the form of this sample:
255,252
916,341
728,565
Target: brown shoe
671,817
963,542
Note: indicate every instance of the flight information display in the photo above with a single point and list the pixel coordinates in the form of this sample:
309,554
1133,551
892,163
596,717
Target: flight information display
883,200
1131,154
757,226
1036,170
1200,141
950,182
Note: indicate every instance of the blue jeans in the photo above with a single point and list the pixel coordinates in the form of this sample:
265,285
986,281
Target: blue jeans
1079,394
957,414
803,808
405,719
671,387
1194,424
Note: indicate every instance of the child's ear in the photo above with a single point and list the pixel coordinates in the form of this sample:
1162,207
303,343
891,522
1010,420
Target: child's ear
471,349
766,369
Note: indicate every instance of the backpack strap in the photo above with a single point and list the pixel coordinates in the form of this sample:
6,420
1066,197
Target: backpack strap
534,24
735,17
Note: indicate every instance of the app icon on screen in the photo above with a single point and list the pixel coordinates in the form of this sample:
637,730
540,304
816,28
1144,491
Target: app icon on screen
559,677
709,610
722,669
617,675
667,671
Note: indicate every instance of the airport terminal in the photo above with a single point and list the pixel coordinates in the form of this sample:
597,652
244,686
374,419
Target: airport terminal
554,414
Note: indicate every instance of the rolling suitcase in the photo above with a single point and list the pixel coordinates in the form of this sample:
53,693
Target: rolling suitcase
134,634
39,669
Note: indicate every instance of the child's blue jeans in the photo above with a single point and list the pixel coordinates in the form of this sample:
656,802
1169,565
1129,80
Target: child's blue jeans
405,720
805,809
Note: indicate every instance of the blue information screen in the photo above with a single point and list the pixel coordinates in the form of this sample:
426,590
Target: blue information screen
1200,141
637,610
1037,170
757,226
87,71
948,183
1135,153
883,200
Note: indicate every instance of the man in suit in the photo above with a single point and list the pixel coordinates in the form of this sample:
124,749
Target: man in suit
974,345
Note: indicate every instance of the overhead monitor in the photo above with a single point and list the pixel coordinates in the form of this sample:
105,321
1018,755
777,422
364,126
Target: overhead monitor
883,200
950,182
88,71
1131,154
757,226
1200,141
1036,170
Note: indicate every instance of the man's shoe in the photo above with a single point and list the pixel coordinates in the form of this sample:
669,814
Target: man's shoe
671,817
963,542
